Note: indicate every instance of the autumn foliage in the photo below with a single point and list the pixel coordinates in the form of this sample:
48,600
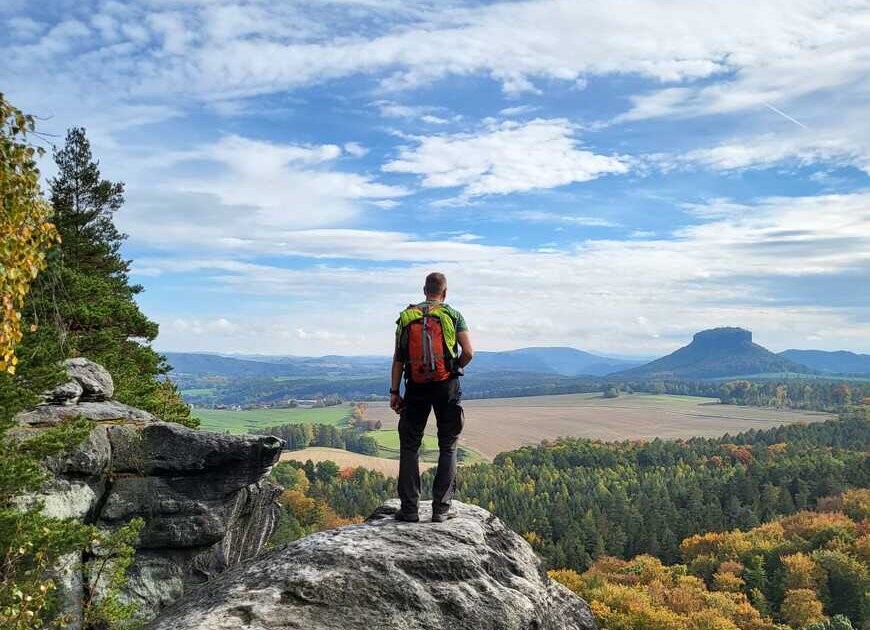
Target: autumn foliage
26,232
793,572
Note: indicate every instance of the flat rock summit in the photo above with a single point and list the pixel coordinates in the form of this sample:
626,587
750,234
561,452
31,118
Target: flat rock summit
715,353
469,573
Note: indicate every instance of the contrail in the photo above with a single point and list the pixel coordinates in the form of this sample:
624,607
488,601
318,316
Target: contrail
784,115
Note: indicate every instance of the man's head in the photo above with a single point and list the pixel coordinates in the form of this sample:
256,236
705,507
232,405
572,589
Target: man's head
436,286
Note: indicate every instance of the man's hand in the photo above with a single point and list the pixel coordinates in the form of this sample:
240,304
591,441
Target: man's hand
396,402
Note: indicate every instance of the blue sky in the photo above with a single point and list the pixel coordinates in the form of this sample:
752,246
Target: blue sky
608,175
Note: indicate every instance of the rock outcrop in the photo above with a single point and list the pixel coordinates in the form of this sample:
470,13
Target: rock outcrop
469,573
203,496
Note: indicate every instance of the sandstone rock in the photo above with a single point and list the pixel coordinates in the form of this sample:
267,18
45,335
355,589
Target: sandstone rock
467,573
176,517
165,448
91,457
153,582
66,498
67,394
203,496
70,586
95,380
250,523
108,411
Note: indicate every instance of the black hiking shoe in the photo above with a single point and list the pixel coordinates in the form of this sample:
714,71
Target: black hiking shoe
439,516
407,517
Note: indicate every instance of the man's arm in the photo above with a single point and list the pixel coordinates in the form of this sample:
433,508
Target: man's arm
396,375
396,401
464,340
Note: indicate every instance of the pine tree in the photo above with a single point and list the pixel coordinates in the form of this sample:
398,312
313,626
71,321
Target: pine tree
31,543
85,296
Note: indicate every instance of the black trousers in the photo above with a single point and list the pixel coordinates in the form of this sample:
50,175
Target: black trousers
420,398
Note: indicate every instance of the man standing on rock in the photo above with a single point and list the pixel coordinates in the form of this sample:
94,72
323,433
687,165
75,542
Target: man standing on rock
429,336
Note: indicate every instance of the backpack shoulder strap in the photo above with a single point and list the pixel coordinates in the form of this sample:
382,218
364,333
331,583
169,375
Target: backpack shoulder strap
454,315
410,314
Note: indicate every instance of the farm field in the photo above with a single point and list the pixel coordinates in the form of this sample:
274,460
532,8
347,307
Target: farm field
388,467
502,424
232,421
389,439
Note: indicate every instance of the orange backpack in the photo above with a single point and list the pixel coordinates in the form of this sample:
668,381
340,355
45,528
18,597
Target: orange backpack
425,349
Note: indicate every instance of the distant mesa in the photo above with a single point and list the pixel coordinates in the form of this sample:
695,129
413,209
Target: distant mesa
717,353
723,337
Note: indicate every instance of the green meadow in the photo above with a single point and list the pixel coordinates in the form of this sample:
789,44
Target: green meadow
242,421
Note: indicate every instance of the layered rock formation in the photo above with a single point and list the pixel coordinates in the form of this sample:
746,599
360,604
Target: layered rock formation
469,573
203,496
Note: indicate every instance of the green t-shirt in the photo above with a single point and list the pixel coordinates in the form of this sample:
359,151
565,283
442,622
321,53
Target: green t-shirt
461,326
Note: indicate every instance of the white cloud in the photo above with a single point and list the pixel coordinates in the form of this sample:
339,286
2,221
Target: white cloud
434,120
262,47
355,149
424,113
219,326
519,110
724,271
465,237
233,200
268,186
805,148
537,216
808,59
23,28
504,158
386,204
389,109
517,42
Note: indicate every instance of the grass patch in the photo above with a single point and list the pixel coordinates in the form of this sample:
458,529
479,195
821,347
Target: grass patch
388,443
390,440
233,421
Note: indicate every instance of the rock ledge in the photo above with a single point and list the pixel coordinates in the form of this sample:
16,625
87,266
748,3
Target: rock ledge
471,572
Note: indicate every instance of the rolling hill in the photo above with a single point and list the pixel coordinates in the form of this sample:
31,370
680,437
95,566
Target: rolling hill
549,360
217,365
716,353
203,364
839,362
558,361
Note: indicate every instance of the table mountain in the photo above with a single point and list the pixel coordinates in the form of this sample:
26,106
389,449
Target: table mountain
715,353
